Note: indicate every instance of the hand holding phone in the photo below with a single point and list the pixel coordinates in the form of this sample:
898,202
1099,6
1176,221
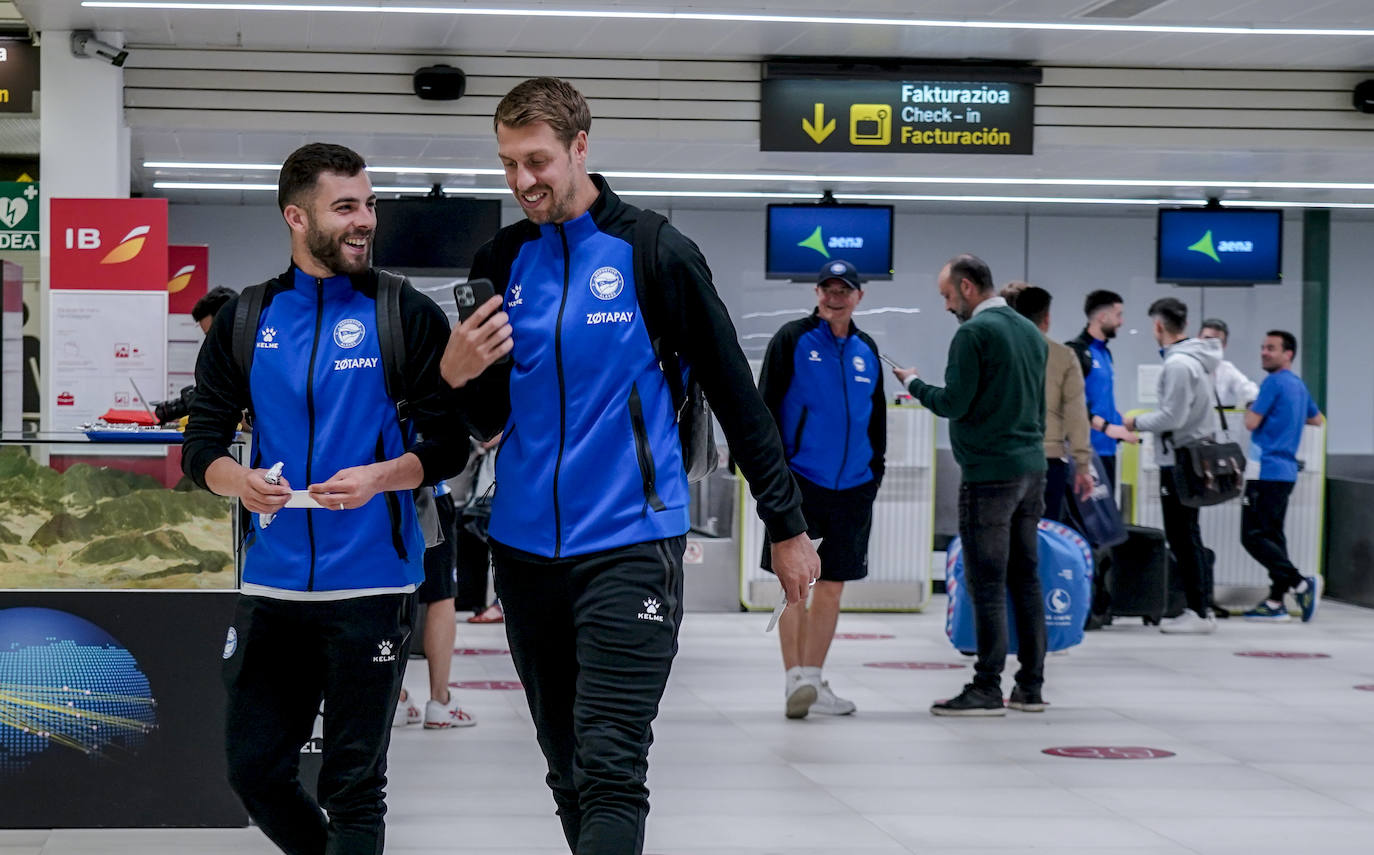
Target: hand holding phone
471,294
482,336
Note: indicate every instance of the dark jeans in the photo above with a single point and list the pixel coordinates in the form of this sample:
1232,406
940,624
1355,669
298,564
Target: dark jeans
997,526
593,639
1056,488
1261,533
1109,464
290,656
1184,535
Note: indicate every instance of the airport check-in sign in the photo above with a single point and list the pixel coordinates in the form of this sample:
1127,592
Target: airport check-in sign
920,117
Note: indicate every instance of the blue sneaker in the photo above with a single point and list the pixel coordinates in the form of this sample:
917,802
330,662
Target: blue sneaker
1266,612
1311,598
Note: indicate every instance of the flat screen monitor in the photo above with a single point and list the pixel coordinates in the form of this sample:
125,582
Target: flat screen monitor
1227,246
802,238
433,236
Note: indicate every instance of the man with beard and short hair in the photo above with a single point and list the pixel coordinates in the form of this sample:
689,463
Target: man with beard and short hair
1103,309
1276,419
325,611
588,524
994,397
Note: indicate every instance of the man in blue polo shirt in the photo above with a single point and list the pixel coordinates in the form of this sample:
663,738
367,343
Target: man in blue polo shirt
1276,420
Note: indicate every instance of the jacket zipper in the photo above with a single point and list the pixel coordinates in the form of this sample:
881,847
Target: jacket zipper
393,506
797,434
844,384
644,452
562,392
310,441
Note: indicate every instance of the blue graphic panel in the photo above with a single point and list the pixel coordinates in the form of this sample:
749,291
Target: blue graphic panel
1228,246
67,684
801,238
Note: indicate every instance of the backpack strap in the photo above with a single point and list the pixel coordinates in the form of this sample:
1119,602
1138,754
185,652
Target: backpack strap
247,313
391,340
653,300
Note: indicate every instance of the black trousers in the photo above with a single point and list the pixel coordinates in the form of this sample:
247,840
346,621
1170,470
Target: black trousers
1184,535
593,639
290,656
1261,533
998,529
1056,488
474,566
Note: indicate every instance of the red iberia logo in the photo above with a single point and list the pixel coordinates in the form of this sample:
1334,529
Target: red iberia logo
181,279
66,399
129,248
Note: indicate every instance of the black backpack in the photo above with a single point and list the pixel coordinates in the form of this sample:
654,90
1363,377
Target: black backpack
391,343
699,455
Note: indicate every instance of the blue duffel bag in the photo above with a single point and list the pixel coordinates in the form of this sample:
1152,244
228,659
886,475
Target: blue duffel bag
1066,581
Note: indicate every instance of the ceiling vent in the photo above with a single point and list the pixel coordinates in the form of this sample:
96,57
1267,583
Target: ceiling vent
1121,8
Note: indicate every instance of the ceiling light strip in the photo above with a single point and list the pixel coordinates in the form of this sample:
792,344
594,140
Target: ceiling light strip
736,18
774,177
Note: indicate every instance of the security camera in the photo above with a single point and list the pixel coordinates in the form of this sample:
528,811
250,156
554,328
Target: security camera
84,43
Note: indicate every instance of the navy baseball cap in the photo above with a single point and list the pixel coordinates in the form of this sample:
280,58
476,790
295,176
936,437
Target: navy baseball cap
839,269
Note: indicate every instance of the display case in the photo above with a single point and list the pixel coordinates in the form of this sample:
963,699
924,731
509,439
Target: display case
81,515
118,584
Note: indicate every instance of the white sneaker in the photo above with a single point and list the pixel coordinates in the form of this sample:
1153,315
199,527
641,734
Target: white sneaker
828,703
443,716
801,694
406,712
1189,623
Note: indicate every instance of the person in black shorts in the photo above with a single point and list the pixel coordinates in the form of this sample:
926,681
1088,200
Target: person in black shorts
436,593
822,382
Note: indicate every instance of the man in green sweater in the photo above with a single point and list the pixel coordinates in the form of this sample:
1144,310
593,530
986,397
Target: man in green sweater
994,397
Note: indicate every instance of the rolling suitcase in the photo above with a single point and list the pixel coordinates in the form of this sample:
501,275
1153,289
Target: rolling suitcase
1138,581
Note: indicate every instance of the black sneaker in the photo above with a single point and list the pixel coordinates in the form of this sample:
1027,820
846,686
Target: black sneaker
973,700
1026,700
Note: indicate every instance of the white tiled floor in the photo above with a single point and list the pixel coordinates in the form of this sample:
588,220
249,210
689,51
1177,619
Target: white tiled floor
1272,755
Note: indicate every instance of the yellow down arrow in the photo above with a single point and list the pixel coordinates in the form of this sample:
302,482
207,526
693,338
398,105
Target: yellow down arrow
821,128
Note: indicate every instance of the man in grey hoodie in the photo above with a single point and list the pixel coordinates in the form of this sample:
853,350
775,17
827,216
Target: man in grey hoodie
1187,413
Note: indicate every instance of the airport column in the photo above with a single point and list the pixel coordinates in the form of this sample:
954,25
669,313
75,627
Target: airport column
83,144
1316,301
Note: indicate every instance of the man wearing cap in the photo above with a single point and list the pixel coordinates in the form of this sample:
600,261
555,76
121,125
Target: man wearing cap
822,382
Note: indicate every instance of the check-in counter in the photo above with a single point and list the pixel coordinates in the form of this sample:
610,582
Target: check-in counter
1350,528
899,550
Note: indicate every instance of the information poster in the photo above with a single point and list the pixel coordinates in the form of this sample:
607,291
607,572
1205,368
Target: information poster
188,280
109,348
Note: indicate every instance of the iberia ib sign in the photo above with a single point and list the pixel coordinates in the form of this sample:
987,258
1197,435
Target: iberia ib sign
109,244
188,277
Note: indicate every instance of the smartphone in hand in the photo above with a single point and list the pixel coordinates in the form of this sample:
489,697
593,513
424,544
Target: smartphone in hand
471,294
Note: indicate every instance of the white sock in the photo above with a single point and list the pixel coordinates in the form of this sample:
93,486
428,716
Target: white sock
812,673
793,675
1301,588
1273,604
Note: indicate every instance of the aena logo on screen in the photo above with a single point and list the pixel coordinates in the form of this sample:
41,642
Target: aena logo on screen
820,244
127,249
1207,248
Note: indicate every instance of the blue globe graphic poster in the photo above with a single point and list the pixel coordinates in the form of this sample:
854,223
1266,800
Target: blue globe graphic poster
67,685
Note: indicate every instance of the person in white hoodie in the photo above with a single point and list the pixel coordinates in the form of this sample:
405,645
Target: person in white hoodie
1187,413
1234,388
